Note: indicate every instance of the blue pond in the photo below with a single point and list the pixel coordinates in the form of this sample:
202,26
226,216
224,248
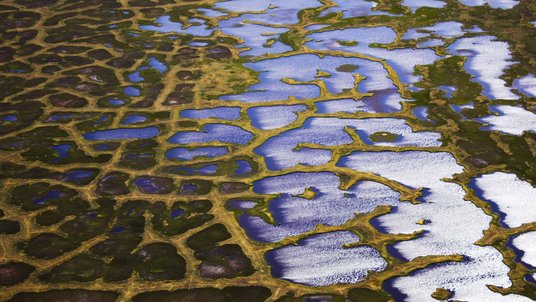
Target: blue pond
135,77
177,213
189,154
62,152
79,176
133,119
213,133
118,229
131,91
153,63
9,118
149,185
52,194
243,167
165,25
205,170
224,113
122,133
116,102
156,64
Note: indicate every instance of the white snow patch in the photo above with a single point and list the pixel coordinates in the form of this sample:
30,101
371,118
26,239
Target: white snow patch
213,133
503,4
268,11
224,113
255,37
510,119
487,58
416,4
296,215
388,100
280,151
403,61
165,25
273,71
430,43
273,117
449,29
526,242
455,224
353,8
321,260
526,85
515,198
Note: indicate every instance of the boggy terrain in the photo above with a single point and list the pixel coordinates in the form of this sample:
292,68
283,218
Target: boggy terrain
256,150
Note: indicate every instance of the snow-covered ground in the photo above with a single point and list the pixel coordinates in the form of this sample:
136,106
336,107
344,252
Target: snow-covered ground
273,117
296,215
321,260
487,59
526,243
280,152
455,225
514,198
510,119
502,4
